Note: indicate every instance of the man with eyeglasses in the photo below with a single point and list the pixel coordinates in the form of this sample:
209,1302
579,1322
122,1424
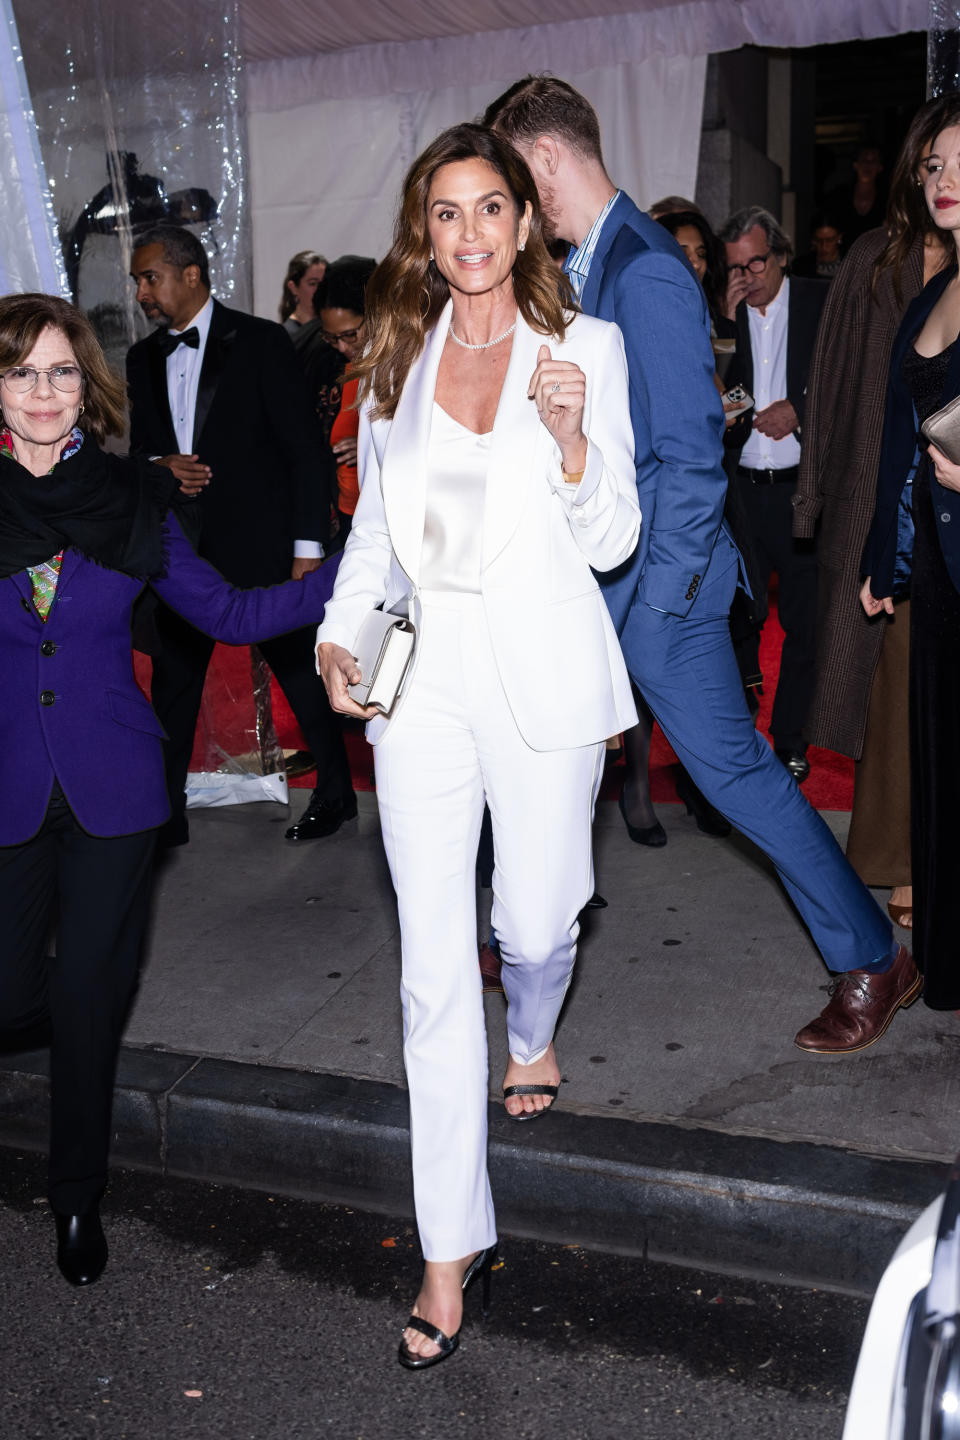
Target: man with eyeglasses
777,318
218,397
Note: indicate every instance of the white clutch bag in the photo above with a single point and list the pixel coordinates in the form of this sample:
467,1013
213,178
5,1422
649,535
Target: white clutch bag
383,649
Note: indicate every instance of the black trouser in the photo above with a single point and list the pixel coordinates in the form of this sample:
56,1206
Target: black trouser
99,891
768,511
177,688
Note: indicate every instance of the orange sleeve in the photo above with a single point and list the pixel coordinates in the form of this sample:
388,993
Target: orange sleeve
346,427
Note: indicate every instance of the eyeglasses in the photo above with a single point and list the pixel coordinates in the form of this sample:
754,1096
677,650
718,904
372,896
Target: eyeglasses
348,335
755,264
22,378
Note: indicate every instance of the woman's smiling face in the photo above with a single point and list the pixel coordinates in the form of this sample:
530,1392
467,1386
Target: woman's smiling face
473,226
43,415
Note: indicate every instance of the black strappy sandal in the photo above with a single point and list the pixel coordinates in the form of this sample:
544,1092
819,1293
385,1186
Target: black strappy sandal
481,1265
551,1090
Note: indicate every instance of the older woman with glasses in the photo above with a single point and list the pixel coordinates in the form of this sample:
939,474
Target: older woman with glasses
81,752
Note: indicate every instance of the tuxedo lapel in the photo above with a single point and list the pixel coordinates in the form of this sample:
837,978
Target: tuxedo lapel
158,383
516,431
219,340
403,472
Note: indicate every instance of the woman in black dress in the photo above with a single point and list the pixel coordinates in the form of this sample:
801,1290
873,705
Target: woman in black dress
915,541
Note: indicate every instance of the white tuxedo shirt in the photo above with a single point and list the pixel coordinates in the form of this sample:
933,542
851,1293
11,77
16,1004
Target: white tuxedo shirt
555,646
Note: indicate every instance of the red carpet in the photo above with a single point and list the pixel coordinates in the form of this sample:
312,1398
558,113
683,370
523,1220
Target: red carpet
830,786
228,694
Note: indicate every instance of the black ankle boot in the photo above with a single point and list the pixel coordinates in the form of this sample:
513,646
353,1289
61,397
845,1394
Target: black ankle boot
81,1247
708,819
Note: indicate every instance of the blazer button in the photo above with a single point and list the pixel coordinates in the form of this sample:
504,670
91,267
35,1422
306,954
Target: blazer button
24,602
946,517
47,697
48,648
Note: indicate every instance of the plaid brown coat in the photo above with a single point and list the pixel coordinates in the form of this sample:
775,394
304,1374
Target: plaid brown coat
843,427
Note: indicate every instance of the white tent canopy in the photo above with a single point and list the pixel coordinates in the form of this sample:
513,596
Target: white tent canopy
274,29
336,100
341,99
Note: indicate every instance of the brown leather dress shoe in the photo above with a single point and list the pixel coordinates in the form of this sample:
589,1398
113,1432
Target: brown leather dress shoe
861,1007
489,960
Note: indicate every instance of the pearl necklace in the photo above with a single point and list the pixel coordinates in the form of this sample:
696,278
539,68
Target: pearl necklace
487,344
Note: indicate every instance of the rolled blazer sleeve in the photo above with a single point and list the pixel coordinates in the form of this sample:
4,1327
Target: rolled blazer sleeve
602,508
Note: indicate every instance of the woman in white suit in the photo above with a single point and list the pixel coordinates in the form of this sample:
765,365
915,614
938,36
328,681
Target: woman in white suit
496,467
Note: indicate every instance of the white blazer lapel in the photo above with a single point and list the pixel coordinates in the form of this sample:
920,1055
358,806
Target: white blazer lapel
517,433
403,472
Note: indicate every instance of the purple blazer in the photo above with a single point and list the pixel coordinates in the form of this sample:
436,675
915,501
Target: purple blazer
71,707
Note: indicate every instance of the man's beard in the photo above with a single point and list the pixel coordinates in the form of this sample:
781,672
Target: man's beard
158,317
549,215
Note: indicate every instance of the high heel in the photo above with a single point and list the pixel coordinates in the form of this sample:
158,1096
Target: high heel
481,1265
653,835
81,1247
708,819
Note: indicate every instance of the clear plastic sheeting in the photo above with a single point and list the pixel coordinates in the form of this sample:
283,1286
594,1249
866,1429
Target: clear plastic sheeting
30,257
943,47
236,755
140,118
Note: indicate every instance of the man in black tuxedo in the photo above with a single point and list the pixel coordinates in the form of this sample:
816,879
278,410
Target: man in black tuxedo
777,319
219,398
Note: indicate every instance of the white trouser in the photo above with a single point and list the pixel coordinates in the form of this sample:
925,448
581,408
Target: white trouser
453,744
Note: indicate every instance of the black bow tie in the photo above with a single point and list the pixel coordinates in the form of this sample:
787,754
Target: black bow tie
191,337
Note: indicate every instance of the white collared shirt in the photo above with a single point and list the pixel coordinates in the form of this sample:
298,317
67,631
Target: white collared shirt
768,345
183,378
578,262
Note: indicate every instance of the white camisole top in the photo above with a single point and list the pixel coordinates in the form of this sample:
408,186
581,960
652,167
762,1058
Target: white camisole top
457,461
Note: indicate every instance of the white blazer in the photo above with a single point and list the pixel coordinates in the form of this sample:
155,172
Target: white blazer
555,645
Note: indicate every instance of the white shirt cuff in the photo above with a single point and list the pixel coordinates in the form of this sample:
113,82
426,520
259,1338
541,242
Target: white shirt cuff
307,550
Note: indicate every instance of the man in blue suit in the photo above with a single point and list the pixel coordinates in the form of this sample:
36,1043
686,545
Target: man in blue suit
671,602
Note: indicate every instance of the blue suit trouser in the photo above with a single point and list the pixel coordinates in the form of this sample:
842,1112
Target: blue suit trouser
687,672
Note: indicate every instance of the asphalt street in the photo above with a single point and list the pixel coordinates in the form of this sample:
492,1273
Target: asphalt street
236,1314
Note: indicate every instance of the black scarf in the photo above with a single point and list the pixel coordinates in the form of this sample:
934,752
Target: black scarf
108,507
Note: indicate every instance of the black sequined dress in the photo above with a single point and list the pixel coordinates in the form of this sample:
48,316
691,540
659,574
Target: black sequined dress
934,720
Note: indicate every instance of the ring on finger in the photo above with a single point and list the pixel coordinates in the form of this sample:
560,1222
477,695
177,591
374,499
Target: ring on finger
555,387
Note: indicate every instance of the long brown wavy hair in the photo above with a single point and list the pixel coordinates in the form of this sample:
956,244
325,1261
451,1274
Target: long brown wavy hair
907,213
407,292
23,319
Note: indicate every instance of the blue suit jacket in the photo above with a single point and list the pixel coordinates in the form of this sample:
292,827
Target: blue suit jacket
897,453
72,708
640,279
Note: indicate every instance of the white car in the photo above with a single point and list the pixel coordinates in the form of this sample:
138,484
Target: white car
907,1381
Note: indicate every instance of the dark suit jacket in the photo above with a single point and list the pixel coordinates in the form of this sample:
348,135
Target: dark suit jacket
640,279
803,316
273,479
898,450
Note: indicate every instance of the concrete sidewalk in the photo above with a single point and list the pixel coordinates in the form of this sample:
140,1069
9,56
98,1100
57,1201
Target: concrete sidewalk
265,1049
